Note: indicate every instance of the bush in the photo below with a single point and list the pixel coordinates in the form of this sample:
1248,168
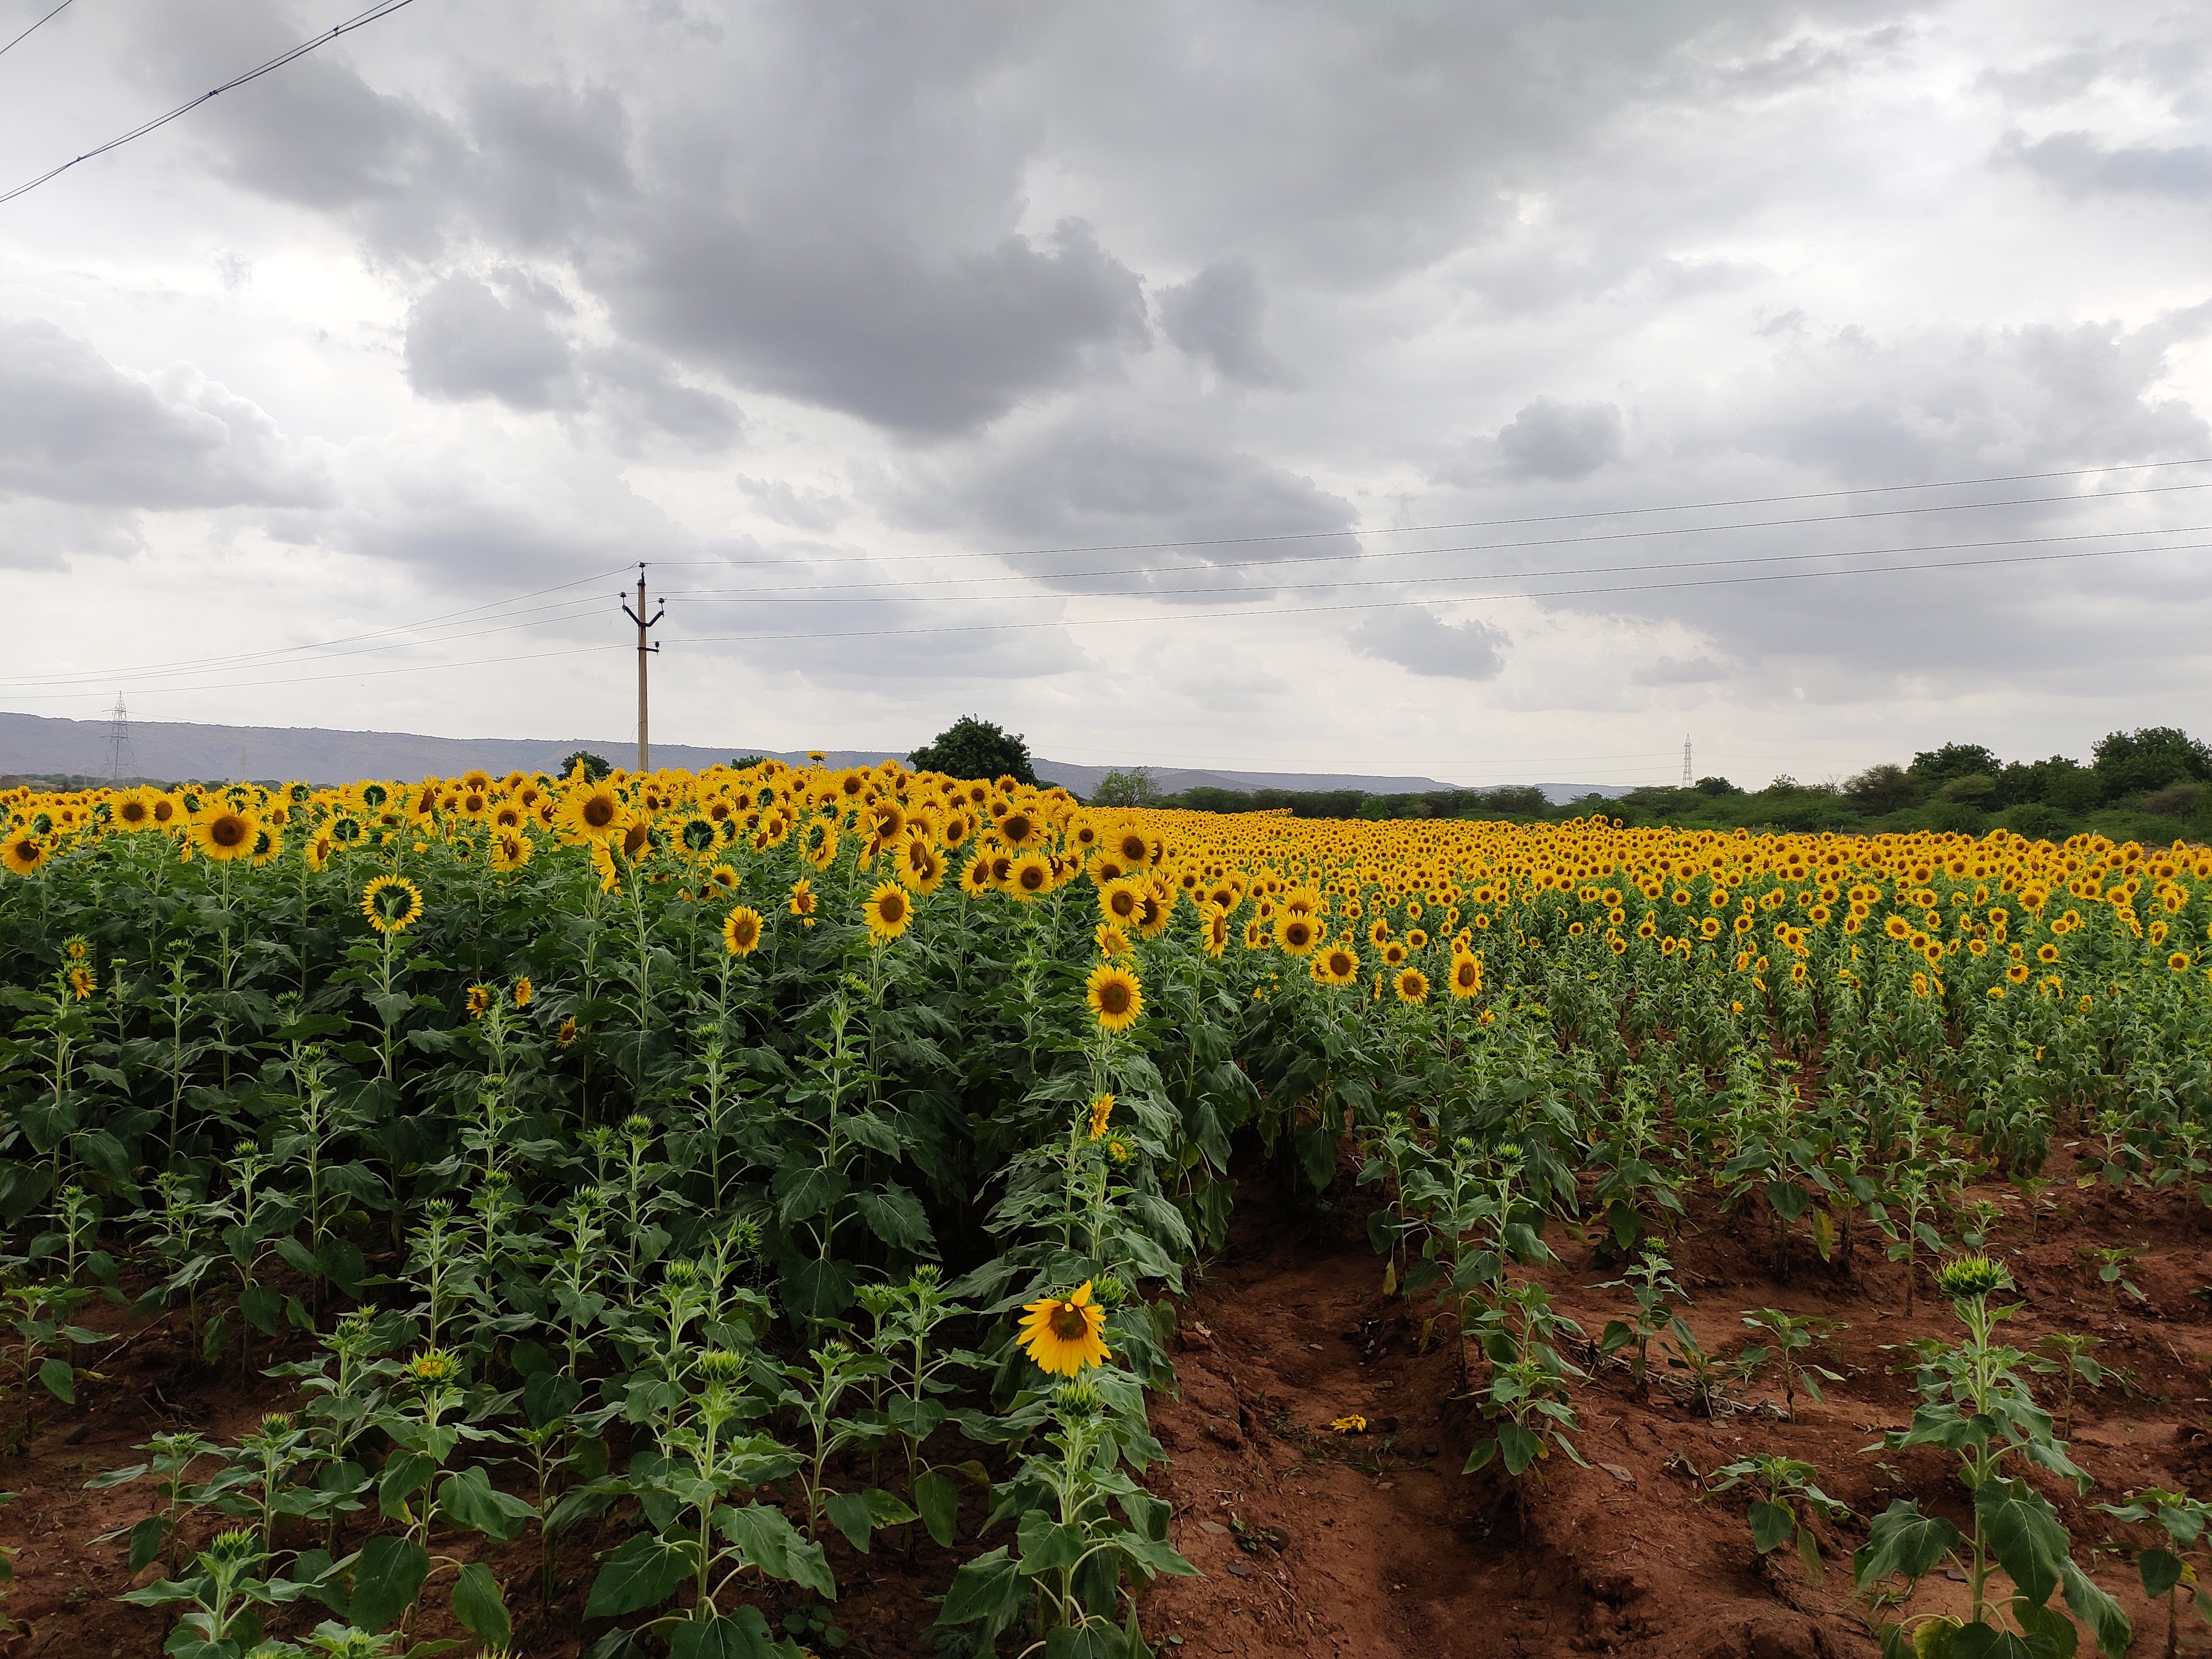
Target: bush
975,748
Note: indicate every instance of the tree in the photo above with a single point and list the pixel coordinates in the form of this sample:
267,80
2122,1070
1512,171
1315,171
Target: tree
975,748
1717,788
2131,763
1883,788
594,766
1133,787
1953,760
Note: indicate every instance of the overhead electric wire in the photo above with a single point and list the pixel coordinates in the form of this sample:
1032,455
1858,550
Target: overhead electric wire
246,659
382,10
1392,604
357,673
1560,518
36,27
828,593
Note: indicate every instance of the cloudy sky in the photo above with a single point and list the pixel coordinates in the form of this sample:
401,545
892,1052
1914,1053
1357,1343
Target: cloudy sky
1496,392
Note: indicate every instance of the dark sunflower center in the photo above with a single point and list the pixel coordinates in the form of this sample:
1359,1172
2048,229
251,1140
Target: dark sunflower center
227,832
1114,997
599,811
1068,1323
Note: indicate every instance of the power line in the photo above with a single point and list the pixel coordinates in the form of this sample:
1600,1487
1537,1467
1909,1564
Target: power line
247,659
36,27
383,8
1560,518
1394,604
828,592
351,674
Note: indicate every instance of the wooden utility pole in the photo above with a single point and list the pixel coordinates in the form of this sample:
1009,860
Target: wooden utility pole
638,616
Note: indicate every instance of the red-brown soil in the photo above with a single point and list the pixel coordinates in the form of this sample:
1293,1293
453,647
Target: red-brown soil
1375,1544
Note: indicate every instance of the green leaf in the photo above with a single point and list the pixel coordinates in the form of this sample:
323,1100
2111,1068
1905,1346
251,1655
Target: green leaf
2050,1634
989,1586
816,1291
896,1217
742,1635
938,1500
1986,1642
387,1579
774,1545
146,1538
548,1396
469,1500
2160,1571
2102,1614
848,1513
1903,1541
804,1194
642,1573
1047,1545
479,1605
2023,1532
1772,1525
1808,1552
1519,1445
60,1378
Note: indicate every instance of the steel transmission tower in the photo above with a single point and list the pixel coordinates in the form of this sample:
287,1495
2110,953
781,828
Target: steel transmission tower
122,760
1686,761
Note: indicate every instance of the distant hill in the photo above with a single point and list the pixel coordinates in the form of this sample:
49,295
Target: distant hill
37,745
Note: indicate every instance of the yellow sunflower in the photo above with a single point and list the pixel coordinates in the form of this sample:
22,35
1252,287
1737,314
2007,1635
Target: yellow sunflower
741,930
889,911
392,903
478,999
1412,985
1063,1334
25,855
1102,1108
1114,996
594,813
225,833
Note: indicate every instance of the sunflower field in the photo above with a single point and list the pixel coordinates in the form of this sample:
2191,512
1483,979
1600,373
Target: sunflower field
634,1207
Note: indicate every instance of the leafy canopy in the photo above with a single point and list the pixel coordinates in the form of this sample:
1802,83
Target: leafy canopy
973,748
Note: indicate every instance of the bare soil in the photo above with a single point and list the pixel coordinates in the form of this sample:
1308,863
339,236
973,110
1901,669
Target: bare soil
1316,1542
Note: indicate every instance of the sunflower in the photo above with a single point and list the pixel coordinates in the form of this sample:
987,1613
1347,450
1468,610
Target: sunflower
593,812
1115,996
25,855
1062,1333
524,991
922,867
741,930
1412,985
226,833
2178,961
1296,933
569,1032
478,999
1102,1108
889,911
1466,976
392,903
1213,936
1337,965
802,901
82,983
1030,876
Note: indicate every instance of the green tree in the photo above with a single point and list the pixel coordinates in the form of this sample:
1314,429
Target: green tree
1884,788
2132,762
1954,759
973,748
594,766
1133,787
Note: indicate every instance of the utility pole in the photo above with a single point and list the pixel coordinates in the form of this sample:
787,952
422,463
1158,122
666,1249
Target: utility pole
638,616
121,759
1686,758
